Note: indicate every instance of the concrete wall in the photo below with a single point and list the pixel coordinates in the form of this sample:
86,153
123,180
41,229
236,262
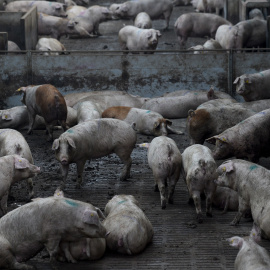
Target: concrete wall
3,41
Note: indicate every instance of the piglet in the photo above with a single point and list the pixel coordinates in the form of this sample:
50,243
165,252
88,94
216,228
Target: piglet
13,168
129,230
44,100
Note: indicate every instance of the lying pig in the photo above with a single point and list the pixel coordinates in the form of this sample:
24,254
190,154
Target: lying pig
47,7
198,170
253,86
94,139
44,100
156,9
245,34
48,45
12,142
251,181
248,139
45,222
129,228
14,168
178,103
251,255
143,20
197,25
165,161
210,44
87,110
56,27
135,39
143,121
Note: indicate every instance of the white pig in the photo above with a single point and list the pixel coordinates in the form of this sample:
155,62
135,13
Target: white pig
135,39
143,21
45,222
12,46
198,170
210,44
13,168
48,45
165,161
94,139
197,25
128,227
12,142
143,121
87,110
75,11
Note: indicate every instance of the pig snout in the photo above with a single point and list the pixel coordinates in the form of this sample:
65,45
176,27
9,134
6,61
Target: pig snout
64,161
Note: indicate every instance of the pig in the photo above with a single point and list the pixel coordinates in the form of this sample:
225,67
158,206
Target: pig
199,5
44,100
165,161
251,255
197,25
113,8
128,227
253,86
75,11
178,103
245,34
210,44
14,168
256,13
47,7
216,5
226,199
57,27
156,9
12,142
94,139
48,45
12,46
135,39
45,222
90,19
143,21
199,172
249,139
106,99
251,181
87,110
144,121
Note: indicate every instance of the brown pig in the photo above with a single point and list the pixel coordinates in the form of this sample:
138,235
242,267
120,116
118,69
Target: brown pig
44,100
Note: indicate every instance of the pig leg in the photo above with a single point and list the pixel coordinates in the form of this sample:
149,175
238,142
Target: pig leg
162,190
32,117
197,201
52,246
64,170
4,203
243,207
30,188
172,130
49,129
172,183
80,167
124,155
63,125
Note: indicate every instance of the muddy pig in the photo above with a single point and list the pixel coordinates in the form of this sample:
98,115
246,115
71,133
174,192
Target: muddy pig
143,121
44,100
12,142
13,168
251,255
199,173
45,222
165,161
129,230
248,139
94,139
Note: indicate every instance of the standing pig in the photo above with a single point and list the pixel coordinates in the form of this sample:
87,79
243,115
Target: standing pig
251,181
44,100
198,170
45,222
251,256
248,139
94,139
156,9
165,160
143,21
48,45
87,110
13,168
50,8
12,142
129,228
135,39
143,121
197,25
254,86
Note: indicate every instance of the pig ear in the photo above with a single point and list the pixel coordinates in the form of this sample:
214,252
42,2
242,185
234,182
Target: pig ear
57,7
20,163
212,140
158,33
59,193
90,217
71,142
99,212
55,145
191,113
227,166
6,116
236,241
211,93
168,122
157,124
236,80
22,89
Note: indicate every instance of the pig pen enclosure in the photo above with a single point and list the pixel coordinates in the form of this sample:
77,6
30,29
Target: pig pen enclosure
179,242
